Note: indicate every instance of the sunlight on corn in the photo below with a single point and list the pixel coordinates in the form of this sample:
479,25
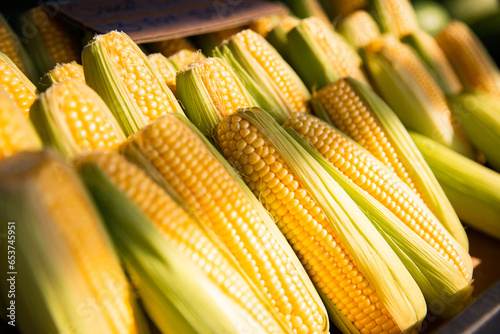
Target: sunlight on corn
60,73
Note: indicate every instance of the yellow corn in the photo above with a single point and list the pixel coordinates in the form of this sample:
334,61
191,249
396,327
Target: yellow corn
60,73
329,56
410,90
16,132
165,68
172,46
71,117
267,67
359,113
358,28
12,47
120,73
310,220
187,162
52,42
14,82
469,58
435,60
187,235
72,279
183,58
395,16
367,173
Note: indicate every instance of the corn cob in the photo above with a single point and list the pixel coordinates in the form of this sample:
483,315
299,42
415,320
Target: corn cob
341,8
357,168
12,47
120,73
479,115
72,118
469,58
358,28
207,42
277,36
172,46
395,16
471,187
70,278
435,60
210,90
184,233
323,226
264,64
60,73
16,132
329,56
190,164
19,87
184,58
50,39
358,112
165,68
412,93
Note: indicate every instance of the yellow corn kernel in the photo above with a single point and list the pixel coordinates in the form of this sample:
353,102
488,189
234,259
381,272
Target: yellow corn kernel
370,175
190,167
395,16
183,58
16,132
469,58
60,73
14,82
165,68
358,28
186,234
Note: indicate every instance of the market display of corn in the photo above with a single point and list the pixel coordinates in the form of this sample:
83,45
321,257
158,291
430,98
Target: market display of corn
313,171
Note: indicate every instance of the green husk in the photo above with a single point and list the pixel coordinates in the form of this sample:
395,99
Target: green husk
101,75
471,187
439,281
479,115
370,252
54,293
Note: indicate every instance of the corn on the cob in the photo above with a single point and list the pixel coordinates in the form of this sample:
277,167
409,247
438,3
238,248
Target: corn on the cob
210,90
361,114
165,68
12,47
184,233
340,8
395,16
121,74
172,46
358,28
406,85
69,276
72,118
60,73
329,56
14,82
469,58
264,64
471,187
357,168
190,164
324,227
207,42
50,40
277,36
479,115
16,132
184,58
435,60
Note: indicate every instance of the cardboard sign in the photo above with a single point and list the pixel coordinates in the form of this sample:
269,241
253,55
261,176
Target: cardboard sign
154,20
